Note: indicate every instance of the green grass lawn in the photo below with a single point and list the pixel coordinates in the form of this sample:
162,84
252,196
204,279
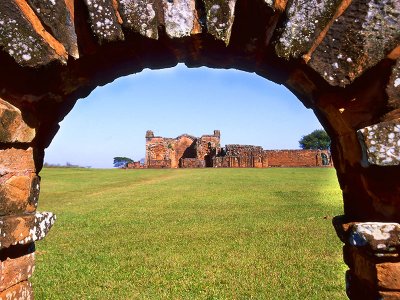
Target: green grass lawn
190,234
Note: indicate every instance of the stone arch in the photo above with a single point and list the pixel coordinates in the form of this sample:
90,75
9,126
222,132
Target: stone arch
339,57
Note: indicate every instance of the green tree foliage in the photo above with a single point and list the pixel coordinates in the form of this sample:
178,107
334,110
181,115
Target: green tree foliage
318,139
121,162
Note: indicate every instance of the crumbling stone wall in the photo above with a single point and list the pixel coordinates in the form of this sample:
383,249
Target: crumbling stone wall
341,58
174,151
192,163
241,156
298,158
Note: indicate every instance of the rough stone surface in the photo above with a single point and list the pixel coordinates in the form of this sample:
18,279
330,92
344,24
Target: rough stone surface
20,40
15,270
104,22
379,238
305,21
24,229
385,275
220,17
361,37
13,128
381,143
179,17
140,16
20,291
14,160
56,16
384,295
393,87
19,193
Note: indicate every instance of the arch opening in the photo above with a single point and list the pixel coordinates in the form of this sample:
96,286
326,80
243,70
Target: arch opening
346,71
247,252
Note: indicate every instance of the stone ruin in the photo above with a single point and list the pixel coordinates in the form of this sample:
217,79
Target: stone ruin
187,151
341,58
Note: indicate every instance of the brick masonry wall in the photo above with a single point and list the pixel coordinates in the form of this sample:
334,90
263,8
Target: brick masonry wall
295,158
192,163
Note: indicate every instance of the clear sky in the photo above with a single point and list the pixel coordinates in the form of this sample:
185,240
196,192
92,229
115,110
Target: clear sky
113,119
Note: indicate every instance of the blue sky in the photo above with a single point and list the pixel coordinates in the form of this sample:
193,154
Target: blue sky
113,119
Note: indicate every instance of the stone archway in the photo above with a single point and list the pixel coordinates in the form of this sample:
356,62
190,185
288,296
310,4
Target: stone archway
339,57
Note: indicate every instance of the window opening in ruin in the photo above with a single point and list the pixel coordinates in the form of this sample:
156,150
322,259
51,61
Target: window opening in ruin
325,159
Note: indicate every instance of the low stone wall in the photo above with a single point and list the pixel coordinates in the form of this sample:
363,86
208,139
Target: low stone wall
192,163
297,158
135,165
230,161
159,164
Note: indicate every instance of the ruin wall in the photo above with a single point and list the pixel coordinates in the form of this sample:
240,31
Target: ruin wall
296,158
192,163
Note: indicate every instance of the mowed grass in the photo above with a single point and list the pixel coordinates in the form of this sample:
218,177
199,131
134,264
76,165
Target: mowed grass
190,234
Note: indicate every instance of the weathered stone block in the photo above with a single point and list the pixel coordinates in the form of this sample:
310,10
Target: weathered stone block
381,275
357,40
19,193
104,21
380,239
220,16
376,235
13,128
24,229
179,17
393,88
389,295
14,160
19,291
140,16
15,270
381,143
25,39
305,21
57,17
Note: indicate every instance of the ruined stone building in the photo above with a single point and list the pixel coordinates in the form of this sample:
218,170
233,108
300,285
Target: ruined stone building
187,151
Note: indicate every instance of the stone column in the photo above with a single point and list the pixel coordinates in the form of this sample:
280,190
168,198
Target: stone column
372,252
370,228
20,224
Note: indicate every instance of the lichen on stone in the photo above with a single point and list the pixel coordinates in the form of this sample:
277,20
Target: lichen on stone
20,40
381,143
393,87
104,21
305,21
377,236
56,16
363,35
220,17
179,17
141,16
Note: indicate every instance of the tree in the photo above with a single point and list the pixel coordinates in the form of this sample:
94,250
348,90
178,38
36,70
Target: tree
121,162
318,139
